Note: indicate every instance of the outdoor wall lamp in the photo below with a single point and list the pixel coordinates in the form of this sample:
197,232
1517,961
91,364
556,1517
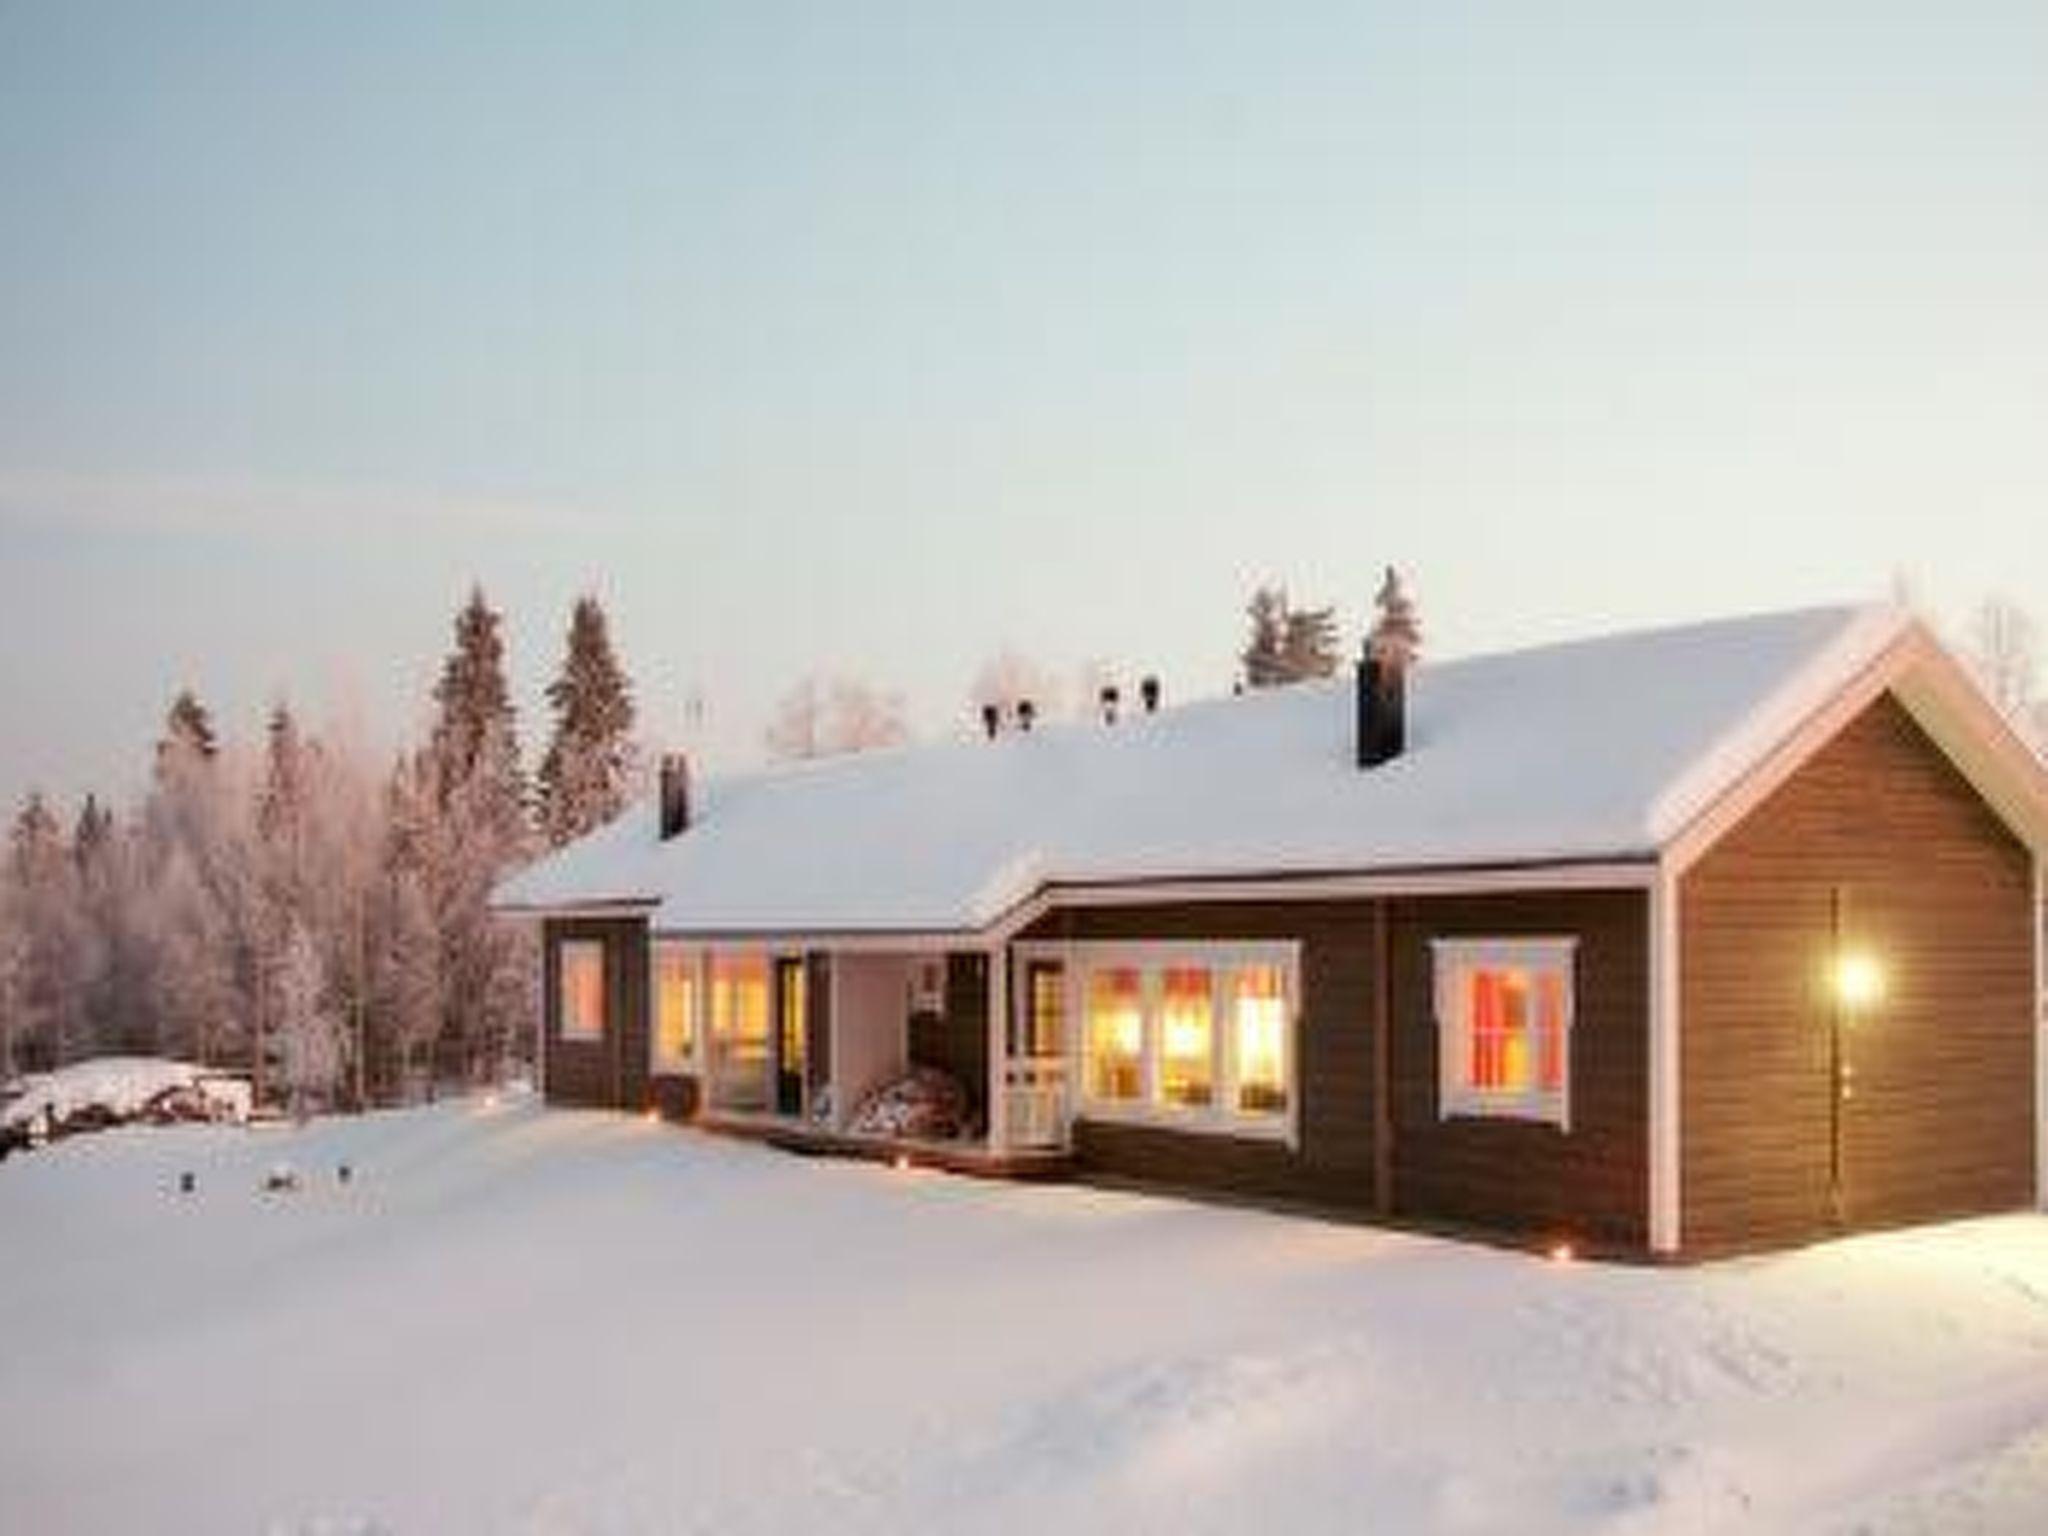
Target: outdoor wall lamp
1859,981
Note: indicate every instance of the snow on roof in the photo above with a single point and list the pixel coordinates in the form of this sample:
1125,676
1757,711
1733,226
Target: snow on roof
1592,749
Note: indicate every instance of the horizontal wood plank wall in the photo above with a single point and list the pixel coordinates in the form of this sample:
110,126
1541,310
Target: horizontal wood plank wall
1507,1176
1937,891
1591,1182
610,1072
1334,1163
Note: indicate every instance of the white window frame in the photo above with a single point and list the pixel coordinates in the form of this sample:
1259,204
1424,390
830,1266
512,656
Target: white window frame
1151,958
689,1063
1454,959
564,1026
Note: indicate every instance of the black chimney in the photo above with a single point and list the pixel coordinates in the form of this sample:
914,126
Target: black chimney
1026,713
1383,676
991,719
675,794
1110,697
1148,690
1382,709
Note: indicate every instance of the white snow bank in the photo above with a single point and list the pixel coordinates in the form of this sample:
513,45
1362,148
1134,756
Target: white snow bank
524,1320
121,1087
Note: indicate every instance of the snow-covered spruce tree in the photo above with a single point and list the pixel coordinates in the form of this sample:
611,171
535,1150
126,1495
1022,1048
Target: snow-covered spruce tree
585,773
1264,656
406,939
1309,646
1396,631
45,1027
114,981
489,970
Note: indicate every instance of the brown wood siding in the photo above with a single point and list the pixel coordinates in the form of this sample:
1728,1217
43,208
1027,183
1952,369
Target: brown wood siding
609,1072
1516,1177
1591,1182
1939,892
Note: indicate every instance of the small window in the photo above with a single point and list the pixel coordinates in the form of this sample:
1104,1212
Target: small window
1187,1037
1504,1018
1116,1033
1045,1010
675,1008
581,964
1259,1039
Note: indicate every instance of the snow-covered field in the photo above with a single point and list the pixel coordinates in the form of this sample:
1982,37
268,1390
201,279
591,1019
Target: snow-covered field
519,1320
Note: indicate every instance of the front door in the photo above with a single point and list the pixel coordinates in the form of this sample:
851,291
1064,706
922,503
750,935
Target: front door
792,1037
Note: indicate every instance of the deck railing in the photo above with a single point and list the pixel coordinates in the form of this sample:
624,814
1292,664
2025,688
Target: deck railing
1035,1101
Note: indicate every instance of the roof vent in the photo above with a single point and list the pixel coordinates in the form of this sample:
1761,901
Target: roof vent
1110,697
1027,712
991,720
675,794
1148,692
1383,676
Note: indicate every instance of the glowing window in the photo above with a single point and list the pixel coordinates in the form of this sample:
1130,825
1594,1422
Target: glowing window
1504,1015
675,1007
1116,1033
1187,1037
1045,1013
581,983
739,1020
1259,1039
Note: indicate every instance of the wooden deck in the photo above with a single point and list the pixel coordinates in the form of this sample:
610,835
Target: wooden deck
969,1157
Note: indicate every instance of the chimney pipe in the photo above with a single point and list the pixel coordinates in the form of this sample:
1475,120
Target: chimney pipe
675,794
1110,697
991,720
1382,709
1026,713
1148,690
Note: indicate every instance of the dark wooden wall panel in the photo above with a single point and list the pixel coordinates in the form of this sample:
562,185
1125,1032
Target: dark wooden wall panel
1941,1121
1591,1182
1506,1175
610,1072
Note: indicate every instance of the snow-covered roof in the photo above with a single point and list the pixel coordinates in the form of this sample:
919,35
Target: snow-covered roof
1589,750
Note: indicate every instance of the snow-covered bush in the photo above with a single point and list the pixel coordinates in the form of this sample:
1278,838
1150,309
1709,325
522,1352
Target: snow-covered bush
923,1103
113,1090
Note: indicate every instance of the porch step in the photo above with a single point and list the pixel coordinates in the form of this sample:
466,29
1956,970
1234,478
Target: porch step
975,1158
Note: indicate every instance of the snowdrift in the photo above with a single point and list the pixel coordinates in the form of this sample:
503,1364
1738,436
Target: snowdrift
114,1090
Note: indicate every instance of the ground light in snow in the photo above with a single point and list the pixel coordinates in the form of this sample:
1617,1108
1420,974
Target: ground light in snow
535,1320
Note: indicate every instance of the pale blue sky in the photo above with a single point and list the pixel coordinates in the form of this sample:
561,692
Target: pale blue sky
878,336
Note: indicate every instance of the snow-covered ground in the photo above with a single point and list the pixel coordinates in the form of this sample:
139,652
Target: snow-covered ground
511,1319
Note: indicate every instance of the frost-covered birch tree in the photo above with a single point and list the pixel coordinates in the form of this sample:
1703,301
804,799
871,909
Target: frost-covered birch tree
822,717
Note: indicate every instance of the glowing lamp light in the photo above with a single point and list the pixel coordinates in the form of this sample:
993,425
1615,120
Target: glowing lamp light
652,1116
1561,1253
902,1163
1859,981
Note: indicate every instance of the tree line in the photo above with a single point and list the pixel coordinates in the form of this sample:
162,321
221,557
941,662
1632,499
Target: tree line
302,912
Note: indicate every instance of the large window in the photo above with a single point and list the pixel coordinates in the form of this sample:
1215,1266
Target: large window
675,1008
580,965
1116,1034
1504,1025
1196,1035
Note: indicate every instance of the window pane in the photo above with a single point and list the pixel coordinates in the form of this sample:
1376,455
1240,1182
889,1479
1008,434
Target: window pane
675,1004
1116,1033
1259,1019
582,989
1045,1008
1187,1037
